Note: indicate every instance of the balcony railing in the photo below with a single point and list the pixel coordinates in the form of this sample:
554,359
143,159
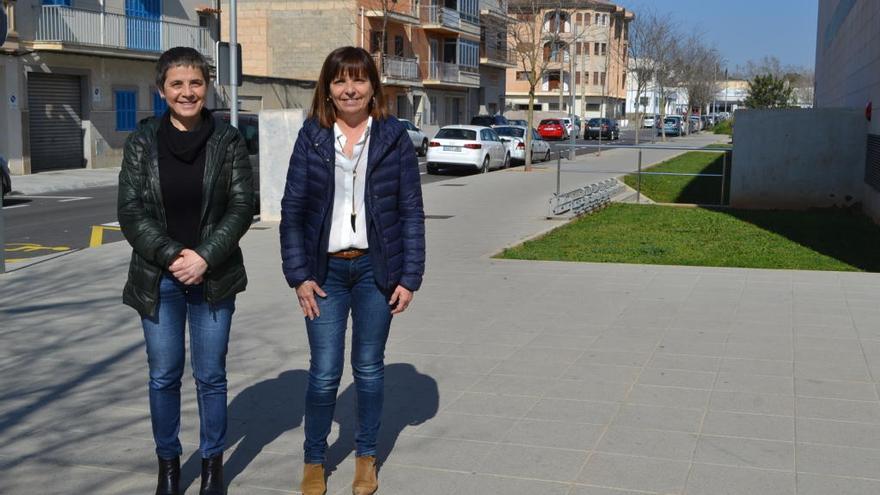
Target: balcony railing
500,55
498,7
100,29
399,68
449,18
453,73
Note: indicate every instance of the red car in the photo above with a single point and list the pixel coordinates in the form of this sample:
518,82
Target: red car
552,129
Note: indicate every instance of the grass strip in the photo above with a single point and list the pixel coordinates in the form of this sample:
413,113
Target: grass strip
685,189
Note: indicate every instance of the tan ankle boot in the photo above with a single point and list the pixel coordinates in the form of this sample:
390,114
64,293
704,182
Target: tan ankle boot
365,481
313,480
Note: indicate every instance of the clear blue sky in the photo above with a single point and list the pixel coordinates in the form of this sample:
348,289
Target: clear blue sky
746,29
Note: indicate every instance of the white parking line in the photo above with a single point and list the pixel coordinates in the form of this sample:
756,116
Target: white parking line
14,206
61,199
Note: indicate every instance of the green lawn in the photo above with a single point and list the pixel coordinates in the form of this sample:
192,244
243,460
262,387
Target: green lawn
685,189
670,235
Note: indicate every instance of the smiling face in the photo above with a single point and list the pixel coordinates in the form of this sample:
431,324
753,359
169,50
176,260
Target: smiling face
351,96
184,90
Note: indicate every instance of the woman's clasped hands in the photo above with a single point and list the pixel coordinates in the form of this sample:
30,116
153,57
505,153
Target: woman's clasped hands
189,268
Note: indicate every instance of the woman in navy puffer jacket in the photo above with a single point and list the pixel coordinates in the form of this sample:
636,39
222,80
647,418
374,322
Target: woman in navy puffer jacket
352,243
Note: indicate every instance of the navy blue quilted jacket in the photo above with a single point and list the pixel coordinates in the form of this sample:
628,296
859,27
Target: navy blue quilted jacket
393,199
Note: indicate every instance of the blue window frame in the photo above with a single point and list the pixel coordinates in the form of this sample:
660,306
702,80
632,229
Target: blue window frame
126,109
159,104
143,24
65,3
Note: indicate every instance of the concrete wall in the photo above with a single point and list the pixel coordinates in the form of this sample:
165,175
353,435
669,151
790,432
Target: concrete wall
798,158
278,132
269,93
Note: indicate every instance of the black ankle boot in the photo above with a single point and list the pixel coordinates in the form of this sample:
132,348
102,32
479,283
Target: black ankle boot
169,477
212,476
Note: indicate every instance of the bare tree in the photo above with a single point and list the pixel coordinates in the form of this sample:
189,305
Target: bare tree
665,53
647,34
697,69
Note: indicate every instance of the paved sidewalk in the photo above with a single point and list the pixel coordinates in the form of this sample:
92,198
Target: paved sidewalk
505,377
64,180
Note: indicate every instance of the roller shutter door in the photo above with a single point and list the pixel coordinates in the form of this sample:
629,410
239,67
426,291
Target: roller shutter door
56,136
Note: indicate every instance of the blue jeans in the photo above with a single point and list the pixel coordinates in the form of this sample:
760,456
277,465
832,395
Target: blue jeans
209,335
350,288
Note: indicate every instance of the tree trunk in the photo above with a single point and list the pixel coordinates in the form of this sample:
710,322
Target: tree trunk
529,120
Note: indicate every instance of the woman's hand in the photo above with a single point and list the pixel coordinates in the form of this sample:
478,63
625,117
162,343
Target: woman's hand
188,267
400,299
305,292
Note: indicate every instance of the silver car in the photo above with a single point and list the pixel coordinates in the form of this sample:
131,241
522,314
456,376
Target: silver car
419,140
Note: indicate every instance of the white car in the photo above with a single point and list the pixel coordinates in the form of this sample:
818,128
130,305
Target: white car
572,127
419,139
515,137
469,147
650,121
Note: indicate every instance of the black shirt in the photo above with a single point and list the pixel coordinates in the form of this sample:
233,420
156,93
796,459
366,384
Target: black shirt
181,173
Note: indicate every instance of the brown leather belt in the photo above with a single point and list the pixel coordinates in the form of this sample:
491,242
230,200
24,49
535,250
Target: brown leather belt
349,253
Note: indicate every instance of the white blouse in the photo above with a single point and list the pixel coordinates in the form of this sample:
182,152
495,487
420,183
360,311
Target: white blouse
350,177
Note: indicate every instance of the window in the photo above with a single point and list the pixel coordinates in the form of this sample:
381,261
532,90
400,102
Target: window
587,19
578,48
522,75
126,110
604,19
579,18
604,48
602,79
595,78
577,77
376,40
65,3
432,110
159,104
469,53
398,46
469,10
623,80
595,48
598,18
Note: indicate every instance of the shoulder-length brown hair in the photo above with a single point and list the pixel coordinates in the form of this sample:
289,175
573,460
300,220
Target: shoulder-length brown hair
346,61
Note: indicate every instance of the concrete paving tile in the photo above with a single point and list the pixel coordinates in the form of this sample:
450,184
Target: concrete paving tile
438,453
677,378
635,473
811,484
460,364
466,427
759,350
598,490
745,452
534,386
779,405
485,483
618,358
508,406
749,425
547,339
574,411
557,434
831,369
741,366
659,418
518,367
410,346
838,433
611,373
838,461
827,344
557,355
533,462
835,389
839,410
807,330
648,443
405,480
709,336
668,396
626,344
758,384
684,362
490,351
61,479
714,480
712,349
589,389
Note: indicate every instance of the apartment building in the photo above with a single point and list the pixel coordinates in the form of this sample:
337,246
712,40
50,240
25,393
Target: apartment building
77,75
584,50
441,61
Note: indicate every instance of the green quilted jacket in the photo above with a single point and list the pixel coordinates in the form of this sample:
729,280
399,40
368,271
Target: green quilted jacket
227,212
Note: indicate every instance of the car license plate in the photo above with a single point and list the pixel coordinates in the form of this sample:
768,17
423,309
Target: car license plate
451,148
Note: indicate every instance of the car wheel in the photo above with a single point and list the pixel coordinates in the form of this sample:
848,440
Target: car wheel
432,169
485,168
547,155
424,150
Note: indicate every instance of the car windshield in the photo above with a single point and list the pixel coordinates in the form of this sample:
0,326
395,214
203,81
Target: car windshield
510,131
549,122
463,134
594,122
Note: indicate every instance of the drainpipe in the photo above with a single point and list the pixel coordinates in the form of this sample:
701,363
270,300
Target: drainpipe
362,26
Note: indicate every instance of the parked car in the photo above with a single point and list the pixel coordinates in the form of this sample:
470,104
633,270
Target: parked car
418,138
5,179
521,122
515,137
602,128
707,121
552,129
572,125
673,125
650,121
249,126
468,147
696,122
488,120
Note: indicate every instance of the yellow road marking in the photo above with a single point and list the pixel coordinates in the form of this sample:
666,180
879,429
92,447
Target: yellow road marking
30,248
97,237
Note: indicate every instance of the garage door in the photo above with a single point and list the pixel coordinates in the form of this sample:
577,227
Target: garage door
56,136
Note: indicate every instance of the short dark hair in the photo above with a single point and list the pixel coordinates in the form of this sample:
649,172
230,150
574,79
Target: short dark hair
181,56
346,61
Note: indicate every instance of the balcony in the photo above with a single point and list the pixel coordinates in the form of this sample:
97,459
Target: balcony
76,30
405,15
398,71
445,74
448,21
494,56
496,9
